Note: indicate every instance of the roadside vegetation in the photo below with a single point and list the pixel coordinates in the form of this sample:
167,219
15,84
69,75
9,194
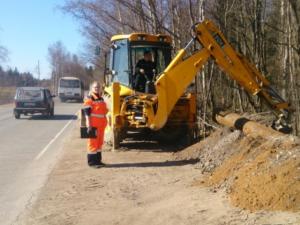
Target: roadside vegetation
7,94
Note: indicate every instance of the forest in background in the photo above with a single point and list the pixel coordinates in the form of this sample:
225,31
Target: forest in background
62,63
12,77
267,32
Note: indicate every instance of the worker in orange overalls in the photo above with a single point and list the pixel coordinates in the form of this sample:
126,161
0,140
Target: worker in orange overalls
95,111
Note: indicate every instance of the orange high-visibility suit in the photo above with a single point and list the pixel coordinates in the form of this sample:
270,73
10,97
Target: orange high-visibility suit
95,109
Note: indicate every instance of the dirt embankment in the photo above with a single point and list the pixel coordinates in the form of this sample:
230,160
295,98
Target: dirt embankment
257,174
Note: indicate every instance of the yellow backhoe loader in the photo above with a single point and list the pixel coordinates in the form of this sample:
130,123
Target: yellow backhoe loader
165,105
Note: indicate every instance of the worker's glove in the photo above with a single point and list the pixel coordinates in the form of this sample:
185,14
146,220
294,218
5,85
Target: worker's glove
142,71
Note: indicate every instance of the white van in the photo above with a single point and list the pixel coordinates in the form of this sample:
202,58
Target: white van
70,88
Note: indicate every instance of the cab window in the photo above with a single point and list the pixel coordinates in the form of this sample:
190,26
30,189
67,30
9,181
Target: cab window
120,62
161,56
163,59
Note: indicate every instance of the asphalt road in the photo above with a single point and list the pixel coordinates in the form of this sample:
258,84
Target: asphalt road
29,148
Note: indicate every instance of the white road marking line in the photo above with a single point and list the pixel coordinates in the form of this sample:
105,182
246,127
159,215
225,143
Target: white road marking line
49,144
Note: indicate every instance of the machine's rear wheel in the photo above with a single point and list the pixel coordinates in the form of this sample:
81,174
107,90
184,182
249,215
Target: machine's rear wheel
173,134
17,115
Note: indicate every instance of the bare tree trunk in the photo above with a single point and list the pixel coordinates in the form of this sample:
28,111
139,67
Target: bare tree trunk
120,16
174,24
153,15
142,18
201,108
294,53
201,10
284,48
192,17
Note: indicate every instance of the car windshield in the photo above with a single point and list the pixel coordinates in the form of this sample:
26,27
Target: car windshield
69,83
29,94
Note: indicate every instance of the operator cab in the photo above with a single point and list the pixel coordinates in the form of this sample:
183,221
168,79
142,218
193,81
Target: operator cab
128,50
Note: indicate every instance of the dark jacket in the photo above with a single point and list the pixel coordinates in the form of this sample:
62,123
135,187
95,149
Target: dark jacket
141,79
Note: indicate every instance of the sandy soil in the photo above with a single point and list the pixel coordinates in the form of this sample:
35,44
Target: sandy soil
257,174
139,186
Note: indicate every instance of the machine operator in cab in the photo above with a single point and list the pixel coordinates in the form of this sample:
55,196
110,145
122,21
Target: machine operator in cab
144,71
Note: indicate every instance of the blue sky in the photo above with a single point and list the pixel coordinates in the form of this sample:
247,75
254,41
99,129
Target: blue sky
28,27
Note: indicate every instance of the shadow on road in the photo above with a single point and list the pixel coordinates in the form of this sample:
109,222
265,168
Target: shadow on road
154,164
152,145
145,141
55,117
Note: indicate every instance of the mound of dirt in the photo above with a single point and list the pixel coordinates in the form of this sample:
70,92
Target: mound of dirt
256,173
212,151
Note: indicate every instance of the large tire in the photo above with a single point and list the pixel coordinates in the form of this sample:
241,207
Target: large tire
190,137
175,134
52,112
169,134
17,115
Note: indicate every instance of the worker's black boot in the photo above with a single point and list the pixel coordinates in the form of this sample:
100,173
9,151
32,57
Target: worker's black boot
99,154
93,160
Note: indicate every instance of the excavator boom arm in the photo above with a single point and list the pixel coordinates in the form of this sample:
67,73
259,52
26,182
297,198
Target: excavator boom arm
173,82
237,67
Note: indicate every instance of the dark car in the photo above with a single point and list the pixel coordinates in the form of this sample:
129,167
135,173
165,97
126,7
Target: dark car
31,100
